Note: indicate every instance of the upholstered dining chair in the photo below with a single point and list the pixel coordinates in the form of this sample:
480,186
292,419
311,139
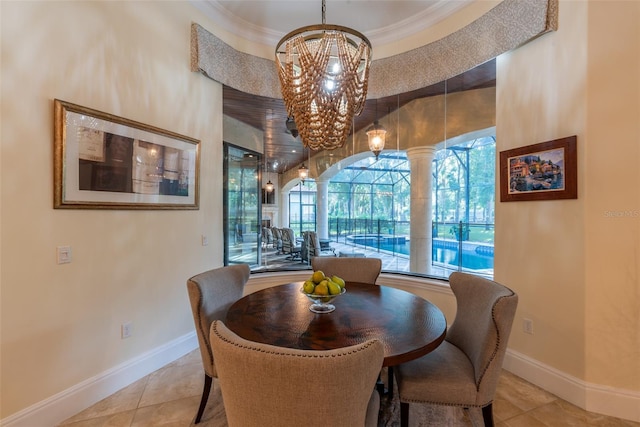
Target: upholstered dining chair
464,370
211,294
364,270
268,386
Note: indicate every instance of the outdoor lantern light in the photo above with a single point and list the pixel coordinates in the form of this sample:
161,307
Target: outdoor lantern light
269,186
303,173
376,134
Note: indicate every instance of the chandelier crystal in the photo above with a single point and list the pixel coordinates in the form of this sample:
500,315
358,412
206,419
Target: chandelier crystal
324,71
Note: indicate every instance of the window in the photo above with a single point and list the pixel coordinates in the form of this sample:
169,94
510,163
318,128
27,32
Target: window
369,207
302,207
369,203
463,207
242,213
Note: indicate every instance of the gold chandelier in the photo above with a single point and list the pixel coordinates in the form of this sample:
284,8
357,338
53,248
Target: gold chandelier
324,72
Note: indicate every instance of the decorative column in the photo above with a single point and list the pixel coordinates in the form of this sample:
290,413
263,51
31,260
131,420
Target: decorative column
284,209
421,239
322,208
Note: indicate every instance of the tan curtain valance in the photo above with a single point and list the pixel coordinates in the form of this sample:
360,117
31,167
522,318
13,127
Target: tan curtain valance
505,27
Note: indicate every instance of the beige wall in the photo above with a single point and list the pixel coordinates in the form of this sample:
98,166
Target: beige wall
61,323
612,202
574,266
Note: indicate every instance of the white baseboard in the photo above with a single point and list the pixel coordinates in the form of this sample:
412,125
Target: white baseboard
67,403
605,400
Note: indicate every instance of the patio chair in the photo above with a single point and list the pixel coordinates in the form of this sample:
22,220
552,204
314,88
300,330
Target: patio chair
267,237
277,239
289,244
314,249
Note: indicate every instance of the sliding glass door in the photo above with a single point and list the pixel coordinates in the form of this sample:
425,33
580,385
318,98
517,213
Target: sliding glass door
242,205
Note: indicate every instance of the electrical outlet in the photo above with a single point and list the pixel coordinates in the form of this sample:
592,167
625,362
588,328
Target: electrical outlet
64,254
126,330
527,326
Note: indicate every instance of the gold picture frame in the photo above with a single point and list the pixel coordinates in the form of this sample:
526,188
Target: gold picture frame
102,161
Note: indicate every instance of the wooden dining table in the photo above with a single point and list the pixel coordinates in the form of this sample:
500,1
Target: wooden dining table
408,325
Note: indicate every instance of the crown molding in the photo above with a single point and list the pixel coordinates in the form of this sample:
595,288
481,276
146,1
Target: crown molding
264,35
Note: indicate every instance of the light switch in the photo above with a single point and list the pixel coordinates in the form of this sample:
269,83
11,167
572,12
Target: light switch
64,254
205,240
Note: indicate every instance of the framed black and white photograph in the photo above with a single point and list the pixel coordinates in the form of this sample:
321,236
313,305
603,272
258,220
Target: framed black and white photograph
102,161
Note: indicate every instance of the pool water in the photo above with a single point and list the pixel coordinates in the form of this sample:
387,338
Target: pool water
444,252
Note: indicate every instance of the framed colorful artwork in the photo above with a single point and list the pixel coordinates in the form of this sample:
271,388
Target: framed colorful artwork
544,171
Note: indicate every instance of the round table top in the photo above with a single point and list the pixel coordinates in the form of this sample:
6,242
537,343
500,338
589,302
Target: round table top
408,326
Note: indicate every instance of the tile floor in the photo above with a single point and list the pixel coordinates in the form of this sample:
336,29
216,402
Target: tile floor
169,397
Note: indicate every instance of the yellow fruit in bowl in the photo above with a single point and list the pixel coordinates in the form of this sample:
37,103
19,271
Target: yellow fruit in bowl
334,288
338,280
322,288
317,276
308,286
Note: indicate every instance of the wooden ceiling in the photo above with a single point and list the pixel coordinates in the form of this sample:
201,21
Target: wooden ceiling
283,151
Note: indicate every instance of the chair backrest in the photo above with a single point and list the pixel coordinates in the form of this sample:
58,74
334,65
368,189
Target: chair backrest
267,236
288,240
265,385
481,329
314,244
211,294
304,251
364,270
276,233
277,237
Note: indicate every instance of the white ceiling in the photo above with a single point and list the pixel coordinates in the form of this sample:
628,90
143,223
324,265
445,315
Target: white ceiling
382,22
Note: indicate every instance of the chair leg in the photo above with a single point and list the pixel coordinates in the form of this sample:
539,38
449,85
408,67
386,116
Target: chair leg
390,381
380,386
487,415
205,397
404,414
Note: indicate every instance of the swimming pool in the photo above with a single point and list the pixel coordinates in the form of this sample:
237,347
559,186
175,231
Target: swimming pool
474,256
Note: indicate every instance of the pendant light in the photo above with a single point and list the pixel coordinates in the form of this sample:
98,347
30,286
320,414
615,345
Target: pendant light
376,134
303,173
269,186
